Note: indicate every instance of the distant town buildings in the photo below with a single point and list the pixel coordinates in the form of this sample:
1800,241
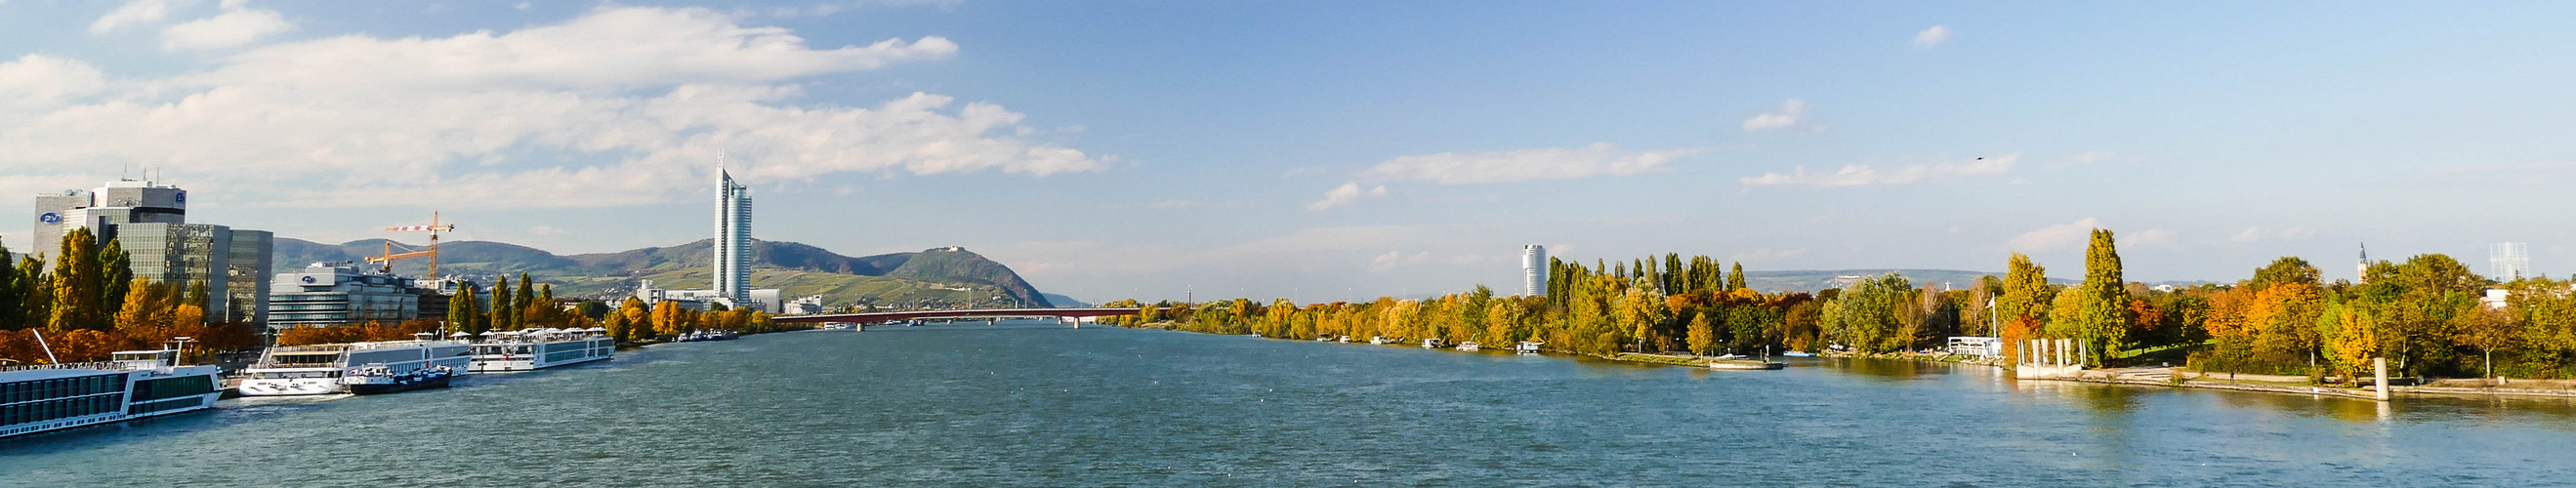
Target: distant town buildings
765,299
1533,270
149,221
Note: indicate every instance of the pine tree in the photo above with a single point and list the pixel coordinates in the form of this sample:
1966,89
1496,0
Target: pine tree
502,311
75,287
115,273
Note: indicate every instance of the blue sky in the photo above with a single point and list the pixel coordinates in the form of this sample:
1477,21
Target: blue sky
1331,150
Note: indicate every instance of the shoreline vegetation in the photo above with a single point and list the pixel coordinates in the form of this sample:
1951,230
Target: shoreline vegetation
2441,328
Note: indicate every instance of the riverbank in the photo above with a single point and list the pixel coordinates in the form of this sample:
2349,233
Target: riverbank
1695,361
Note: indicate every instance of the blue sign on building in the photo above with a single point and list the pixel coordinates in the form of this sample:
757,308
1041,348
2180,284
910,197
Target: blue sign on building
50,218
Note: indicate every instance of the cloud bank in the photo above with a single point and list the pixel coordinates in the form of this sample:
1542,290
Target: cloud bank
1867,175
1599,159
620,106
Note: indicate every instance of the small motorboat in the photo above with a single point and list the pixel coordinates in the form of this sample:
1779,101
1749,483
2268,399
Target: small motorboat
1470,346
1432,343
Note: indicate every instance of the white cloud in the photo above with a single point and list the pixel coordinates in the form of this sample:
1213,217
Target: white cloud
2250,234
1933,36
1788,114
37,80
2156,238
619,106
137,12
234,27
1344,195
1599,159
2056,237
1867,175
2258,234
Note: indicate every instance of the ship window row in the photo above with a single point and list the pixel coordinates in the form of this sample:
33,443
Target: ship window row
144,408
149,390
56,409
61,387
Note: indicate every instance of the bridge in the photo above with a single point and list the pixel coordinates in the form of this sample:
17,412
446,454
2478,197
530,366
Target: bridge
874,317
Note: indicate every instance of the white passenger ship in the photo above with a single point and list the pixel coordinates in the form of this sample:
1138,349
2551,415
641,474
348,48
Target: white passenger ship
133,385
535,349
319,369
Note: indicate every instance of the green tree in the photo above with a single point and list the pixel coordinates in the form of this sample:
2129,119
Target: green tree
115,273
2026,291
504,314
461,311
2287,269
526,304
1735,280
13,294
1703,336
35,293
1864,315
2104,319
197,295
75,286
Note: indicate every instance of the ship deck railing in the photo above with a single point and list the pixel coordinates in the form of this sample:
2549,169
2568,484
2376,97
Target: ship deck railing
106,365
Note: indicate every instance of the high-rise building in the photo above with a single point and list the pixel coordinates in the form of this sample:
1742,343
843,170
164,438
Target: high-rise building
733,239
2508,261
149,221
1533,270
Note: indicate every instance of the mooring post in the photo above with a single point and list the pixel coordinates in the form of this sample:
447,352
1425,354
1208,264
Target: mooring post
2379,368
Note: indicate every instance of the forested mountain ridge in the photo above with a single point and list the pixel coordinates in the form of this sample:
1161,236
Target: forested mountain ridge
884,278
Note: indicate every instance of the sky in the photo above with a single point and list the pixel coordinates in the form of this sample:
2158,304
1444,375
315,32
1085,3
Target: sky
1331,150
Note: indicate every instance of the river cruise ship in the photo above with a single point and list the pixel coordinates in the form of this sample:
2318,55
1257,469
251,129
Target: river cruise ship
327,368
535,349
132,385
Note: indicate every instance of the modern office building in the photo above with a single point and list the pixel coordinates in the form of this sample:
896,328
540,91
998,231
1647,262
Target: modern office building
764,299
1533,270
733,239
2508,261
333,294
149,221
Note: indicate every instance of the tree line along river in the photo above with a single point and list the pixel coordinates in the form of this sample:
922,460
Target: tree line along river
1039,404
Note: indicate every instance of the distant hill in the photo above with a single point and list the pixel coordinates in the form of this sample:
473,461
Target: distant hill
1066,301
940,275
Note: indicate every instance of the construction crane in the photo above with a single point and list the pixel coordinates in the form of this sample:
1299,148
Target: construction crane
435,226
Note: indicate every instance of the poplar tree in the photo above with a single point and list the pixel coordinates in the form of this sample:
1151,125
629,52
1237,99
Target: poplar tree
2105,311
460,311
1735,280
13,294
115,273
197,296
544,311
526,301
35,293
502,311
75,287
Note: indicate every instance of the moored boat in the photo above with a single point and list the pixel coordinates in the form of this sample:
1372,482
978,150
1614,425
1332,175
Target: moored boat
1470,346
1526,347
131,385
317,369
378,379
535,349
1432,343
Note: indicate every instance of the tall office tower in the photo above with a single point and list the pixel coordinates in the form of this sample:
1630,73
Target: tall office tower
100,210
733,239
1533,270
2508,261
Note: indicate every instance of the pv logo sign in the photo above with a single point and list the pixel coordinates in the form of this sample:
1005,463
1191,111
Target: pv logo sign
50,218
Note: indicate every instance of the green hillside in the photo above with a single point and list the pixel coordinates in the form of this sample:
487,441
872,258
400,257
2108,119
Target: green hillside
928,277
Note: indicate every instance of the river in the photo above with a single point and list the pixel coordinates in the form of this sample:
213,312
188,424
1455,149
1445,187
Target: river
1033,404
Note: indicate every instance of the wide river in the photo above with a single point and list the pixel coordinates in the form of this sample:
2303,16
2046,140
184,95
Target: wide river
1046,405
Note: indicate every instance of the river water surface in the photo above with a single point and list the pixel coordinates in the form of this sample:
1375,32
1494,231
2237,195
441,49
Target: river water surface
1046,405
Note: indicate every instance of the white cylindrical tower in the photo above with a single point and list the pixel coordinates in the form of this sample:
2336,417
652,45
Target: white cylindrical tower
1533,270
